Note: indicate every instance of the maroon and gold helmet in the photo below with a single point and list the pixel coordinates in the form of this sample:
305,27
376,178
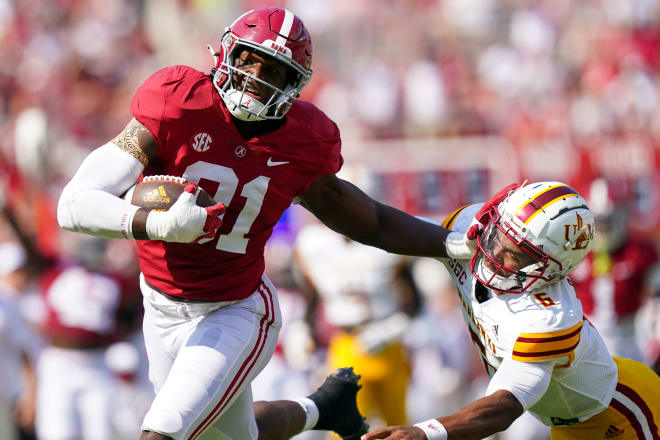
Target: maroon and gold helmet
274,32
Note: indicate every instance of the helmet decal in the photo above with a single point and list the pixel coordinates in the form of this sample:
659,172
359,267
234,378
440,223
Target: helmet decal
542,200
285,30
581,233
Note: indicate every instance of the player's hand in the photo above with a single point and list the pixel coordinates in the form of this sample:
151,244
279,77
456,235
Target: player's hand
462,246
396,433
185,222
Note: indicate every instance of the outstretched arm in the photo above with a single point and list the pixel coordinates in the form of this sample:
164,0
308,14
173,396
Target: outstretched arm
480,419
515,387
346,209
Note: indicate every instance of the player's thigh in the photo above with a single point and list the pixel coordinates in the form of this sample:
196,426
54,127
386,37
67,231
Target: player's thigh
159,335
223,354
633,413
637,396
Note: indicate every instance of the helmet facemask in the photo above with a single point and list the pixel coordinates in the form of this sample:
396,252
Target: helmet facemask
227,79
508,262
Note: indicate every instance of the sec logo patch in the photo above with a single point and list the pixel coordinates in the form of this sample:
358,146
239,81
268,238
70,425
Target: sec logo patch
201,142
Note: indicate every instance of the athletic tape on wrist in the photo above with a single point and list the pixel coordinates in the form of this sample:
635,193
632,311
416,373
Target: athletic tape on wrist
311,412
433,429
126,226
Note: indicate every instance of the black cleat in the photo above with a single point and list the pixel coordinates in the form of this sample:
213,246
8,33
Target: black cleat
336,401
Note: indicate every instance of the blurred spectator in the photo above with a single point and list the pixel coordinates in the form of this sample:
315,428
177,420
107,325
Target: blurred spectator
441,349
87,311
614,281
19,348
132,392
368,296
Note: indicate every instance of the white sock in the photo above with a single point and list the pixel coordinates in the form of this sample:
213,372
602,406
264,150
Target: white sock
311,412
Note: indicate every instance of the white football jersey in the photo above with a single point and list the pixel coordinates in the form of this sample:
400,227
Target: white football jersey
543,325
354,280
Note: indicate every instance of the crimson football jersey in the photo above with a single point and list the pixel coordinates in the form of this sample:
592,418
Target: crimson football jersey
257,180
620,282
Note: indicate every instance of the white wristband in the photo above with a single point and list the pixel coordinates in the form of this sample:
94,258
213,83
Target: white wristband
433,429
126,225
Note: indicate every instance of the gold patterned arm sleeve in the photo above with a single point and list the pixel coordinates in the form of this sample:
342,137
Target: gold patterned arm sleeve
129,140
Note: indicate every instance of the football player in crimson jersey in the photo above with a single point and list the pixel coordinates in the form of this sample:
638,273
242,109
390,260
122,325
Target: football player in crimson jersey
527,325
614,281
211,315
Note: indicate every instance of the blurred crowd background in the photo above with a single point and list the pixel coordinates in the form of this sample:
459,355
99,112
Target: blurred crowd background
440,102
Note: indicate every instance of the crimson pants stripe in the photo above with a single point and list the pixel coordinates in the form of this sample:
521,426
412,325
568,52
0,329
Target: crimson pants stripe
267,319
630,416
254,361
234,386
637,400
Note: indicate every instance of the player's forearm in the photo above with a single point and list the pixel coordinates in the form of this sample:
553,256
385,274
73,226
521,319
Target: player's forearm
96,213
401,233
90,202
483,417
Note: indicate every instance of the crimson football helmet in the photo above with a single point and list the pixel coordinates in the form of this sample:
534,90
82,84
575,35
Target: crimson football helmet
549,222
274,32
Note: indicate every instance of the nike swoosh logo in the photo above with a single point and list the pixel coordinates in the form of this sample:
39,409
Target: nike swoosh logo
272,163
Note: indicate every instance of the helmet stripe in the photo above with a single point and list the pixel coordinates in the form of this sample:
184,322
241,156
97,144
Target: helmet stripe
542,200
285,30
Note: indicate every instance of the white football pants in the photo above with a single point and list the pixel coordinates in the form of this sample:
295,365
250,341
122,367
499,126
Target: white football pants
202,359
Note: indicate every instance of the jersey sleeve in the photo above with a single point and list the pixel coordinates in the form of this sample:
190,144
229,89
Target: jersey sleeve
535,346
166,101
332,142
148,104
461,218
313,140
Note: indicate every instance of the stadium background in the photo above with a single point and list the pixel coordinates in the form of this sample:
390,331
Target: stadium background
440,102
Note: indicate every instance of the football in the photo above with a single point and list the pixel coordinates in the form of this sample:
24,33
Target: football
160,192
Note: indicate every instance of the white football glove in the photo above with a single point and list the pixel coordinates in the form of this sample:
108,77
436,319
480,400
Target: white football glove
185,222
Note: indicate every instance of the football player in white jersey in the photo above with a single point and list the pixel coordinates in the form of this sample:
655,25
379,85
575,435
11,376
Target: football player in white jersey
510,259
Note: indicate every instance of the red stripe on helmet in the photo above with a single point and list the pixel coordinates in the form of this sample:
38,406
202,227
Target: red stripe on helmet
537,203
